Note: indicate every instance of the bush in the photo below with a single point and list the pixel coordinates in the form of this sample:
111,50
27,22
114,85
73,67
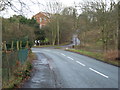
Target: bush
111,55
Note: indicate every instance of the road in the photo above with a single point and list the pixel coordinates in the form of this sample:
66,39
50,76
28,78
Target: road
73,70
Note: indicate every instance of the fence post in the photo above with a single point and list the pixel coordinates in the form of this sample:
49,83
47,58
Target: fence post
17,45
12,45
4,46
20,44
1,47
27,44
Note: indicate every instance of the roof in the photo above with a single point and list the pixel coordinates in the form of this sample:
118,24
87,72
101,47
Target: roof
44,13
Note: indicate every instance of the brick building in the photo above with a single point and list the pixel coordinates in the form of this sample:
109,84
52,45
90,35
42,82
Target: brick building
42,18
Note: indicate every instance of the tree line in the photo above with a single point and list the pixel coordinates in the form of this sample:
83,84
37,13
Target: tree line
97,25
18,28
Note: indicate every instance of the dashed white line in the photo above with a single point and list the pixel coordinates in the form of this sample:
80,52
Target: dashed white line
80,63
70,58
99,73
62,54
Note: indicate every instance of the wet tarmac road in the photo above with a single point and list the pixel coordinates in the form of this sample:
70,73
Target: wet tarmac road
62,69
42,76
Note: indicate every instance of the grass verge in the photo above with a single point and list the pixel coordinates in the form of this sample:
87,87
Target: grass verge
56,46
43,46
96,55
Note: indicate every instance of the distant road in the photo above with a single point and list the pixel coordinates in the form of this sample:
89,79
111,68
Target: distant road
77,71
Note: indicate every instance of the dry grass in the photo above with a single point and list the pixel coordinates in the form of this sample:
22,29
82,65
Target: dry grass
111,55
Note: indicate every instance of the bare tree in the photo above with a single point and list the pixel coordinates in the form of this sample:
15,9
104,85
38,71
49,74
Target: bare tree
20,7
99,16
54,8
118,25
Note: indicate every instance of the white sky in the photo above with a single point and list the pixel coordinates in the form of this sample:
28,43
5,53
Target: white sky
33,6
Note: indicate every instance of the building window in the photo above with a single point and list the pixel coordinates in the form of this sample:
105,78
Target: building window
40,19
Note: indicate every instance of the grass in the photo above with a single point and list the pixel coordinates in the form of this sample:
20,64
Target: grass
43,46
21,74
96,55
57,46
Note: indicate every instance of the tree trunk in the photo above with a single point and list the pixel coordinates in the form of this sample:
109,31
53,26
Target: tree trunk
58,31
118,28
12,45
17,45
54,37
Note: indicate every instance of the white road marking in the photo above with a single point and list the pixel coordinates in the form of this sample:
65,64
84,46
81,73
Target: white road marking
70,58
62,54
99,73
80,63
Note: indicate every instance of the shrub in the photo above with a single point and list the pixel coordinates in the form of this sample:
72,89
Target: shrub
111,55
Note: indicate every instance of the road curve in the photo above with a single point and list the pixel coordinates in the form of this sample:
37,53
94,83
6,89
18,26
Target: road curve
73,70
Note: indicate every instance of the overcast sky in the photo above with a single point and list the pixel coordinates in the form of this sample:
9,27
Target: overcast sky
35,6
